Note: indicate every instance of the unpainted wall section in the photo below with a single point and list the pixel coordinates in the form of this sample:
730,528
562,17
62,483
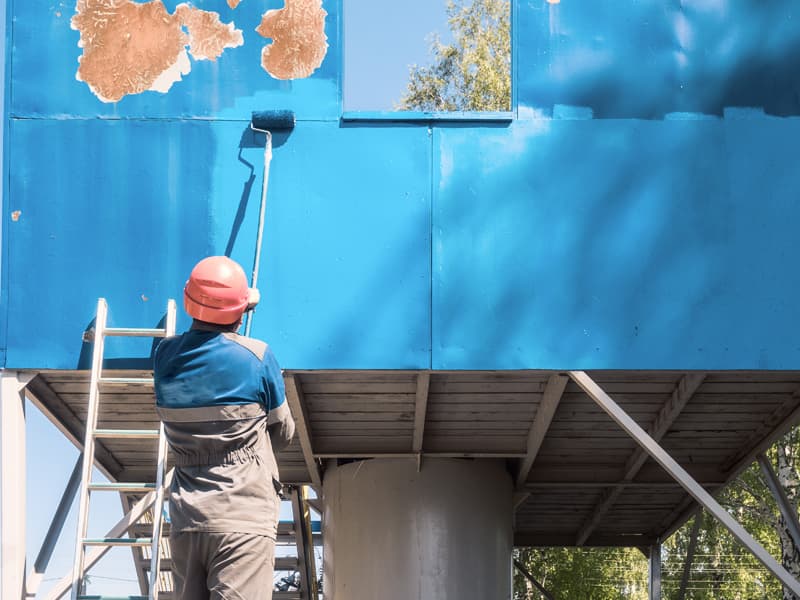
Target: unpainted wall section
651,227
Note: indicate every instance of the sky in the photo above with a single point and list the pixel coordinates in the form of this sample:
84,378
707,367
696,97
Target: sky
382,38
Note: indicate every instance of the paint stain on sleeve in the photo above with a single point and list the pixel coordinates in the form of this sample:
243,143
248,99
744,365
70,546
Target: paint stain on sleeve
299,43
131,47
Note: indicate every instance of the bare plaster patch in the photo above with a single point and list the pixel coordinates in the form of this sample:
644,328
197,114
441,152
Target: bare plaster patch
173,74
130,47
299,43
208,36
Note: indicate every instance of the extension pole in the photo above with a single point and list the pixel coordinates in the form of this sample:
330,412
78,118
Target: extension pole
262,211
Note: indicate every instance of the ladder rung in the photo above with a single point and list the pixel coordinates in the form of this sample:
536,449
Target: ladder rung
113,597
117,541
126,433
286,563
164,565
135,332
126,381
122,487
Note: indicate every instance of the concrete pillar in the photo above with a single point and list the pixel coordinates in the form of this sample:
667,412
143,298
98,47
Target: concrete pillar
12,486
395,533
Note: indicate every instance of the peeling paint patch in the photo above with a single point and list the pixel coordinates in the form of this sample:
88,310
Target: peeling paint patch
126,46
144,298
208,36
299,41
16,215
131,47
174,73
233,3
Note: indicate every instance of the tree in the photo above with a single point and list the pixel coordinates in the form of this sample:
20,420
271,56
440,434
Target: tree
722,568
588,574
725,569
474,72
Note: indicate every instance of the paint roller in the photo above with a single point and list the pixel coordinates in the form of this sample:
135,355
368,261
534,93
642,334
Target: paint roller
266,122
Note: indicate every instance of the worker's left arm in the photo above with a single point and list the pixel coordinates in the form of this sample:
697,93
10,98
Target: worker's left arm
280,423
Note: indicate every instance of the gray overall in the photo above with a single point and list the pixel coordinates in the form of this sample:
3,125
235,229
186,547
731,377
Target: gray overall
224,502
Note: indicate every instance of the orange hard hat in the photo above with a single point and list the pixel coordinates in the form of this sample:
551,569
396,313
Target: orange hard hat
217,291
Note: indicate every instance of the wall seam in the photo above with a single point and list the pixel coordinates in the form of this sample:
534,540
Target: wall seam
5,292
431,176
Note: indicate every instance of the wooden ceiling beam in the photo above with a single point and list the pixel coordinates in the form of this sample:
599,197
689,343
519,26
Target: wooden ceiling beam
773,427
420,410
553,392
294,396
684,390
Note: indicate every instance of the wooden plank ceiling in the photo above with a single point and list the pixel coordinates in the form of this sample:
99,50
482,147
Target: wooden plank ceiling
580,479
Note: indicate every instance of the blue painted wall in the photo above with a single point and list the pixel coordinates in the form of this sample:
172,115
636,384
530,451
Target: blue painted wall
661,233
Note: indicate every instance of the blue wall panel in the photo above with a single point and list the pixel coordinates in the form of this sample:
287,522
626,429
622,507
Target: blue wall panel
347,272
107,208
601,244
124,209
656,235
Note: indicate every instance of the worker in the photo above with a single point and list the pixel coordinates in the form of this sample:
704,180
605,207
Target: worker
221,399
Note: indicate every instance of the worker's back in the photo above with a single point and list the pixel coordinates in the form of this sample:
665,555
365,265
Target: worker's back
216,393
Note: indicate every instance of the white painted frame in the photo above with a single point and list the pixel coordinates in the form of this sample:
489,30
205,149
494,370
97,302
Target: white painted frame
13,483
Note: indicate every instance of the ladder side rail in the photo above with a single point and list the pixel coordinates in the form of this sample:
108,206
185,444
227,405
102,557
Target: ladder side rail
88,445
158,506
124,524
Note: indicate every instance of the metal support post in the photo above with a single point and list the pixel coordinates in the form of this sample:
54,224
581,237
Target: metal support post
56,526
788,511
305,544
526,574
686,481
12,485
687,565
655,572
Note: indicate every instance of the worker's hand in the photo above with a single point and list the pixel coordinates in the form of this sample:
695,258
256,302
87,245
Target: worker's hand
253,298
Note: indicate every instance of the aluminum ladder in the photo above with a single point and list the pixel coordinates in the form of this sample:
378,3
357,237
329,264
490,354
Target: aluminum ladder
97,383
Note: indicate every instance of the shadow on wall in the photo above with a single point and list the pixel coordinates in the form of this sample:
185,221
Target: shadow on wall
616,244
628,240
250,139
648,59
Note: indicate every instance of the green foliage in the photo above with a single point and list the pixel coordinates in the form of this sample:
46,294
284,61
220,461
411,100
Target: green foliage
722,568
474,72
589,574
